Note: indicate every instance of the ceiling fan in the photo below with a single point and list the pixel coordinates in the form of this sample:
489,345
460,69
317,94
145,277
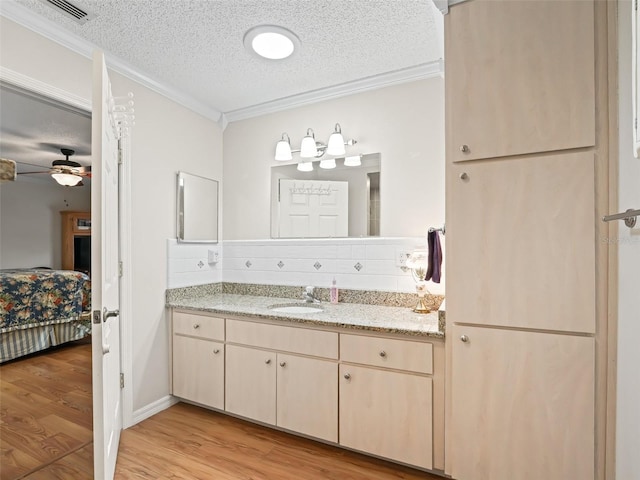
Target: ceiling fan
66,172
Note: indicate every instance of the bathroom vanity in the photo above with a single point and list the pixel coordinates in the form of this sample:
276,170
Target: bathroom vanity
364,377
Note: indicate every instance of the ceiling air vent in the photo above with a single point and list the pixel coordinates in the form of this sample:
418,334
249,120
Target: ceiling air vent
79,14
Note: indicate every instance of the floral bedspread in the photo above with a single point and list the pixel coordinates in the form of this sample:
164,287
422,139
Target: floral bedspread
42,297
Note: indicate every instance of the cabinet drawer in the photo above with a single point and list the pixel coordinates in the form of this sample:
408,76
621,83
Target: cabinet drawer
200,326
387,352
287,339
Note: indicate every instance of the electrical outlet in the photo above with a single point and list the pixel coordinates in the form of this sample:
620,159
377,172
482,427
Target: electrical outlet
213,256
401,257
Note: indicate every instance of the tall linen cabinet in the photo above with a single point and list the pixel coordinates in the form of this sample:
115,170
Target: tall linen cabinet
527,145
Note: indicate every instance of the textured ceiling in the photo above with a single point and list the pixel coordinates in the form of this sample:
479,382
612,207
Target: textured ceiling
197,46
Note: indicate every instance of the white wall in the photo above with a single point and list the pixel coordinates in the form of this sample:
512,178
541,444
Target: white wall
628,388
30,222
404,123
166,138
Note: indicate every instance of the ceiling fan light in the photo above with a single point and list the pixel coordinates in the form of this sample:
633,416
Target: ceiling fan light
308,147
305,167
328,163
353,161
67,179
283,149
335,145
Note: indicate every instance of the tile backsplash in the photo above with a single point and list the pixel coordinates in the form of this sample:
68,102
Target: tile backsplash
355,263
188,263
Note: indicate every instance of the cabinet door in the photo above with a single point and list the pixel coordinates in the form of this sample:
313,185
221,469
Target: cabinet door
512,89
520,243
251,383
523,405
307,395
387,413
198,371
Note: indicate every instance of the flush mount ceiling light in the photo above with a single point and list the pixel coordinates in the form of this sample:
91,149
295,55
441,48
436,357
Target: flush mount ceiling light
310,148
271,42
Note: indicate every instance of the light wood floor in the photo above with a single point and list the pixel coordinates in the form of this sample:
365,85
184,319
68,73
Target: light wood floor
45,434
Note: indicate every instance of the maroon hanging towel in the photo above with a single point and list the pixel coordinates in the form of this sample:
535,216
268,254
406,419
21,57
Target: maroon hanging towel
434,257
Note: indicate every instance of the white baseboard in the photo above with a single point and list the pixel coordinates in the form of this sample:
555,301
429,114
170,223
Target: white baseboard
153,408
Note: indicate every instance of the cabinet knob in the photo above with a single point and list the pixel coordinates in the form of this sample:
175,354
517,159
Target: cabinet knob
347,376
464,148
464,176
267,361
464,339
216,351
282,364
383,354
196,326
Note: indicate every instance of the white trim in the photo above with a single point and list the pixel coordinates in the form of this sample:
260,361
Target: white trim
153,408
29,19
126,286
411,74
31,84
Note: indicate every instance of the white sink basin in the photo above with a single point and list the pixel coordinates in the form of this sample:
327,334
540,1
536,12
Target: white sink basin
296,308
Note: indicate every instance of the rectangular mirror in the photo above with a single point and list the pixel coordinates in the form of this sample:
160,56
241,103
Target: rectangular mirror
326,203
197,209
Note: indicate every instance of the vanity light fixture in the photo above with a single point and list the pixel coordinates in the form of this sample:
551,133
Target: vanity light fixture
310,148
271,42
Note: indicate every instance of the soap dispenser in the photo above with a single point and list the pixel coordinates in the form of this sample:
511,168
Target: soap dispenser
333,292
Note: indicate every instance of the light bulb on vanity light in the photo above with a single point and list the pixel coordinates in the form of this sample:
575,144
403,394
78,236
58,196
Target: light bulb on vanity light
305,166
328,163
335,145
283,149
308,147
353,161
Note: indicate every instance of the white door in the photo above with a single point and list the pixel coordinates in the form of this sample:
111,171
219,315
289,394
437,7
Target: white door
314,208
107,409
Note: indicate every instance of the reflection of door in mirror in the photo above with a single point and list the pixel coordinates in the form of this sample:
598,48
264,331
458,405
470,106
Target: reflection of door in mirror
363,195
313,209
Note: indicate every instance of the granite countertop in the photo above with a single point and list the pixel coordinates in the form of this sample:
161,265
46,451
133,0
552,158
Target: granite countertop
345,315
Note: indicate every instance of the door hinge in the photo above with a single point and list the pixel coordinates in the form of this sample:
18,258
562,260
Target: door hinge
122,380
119,269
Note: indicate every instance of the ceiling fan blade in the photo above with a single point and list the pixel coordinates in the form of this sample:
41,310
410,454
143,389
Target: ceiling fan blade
30,173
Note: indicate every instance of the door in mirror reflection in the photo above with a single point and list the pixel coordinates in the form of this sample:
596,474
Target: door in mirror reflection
313,209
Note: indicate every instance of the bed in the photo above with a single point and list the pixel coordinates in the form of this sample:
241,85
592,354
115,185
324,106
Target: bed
41,308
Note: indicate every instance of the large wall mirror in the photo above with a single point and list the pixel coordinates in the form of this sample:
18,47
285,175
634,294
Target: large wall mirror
197,209
343,201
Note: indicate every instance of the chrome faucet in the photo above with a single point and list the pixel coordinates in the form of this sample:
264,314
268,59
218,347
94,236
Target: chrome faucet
308,295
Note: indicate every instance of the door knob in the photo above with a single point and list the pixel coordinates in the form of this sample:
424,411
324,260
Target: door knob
107,314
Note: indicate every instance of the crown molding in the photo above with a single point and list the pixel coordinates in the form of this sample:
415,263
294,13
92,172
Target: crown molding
397,77
31,86
54,32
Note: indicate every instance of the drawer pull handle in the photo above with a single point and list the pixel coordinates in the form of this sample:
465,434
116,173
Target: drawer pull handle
464,148
282,364
267,361
347,376
196,326
216,351
464,176
464,339
383,354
